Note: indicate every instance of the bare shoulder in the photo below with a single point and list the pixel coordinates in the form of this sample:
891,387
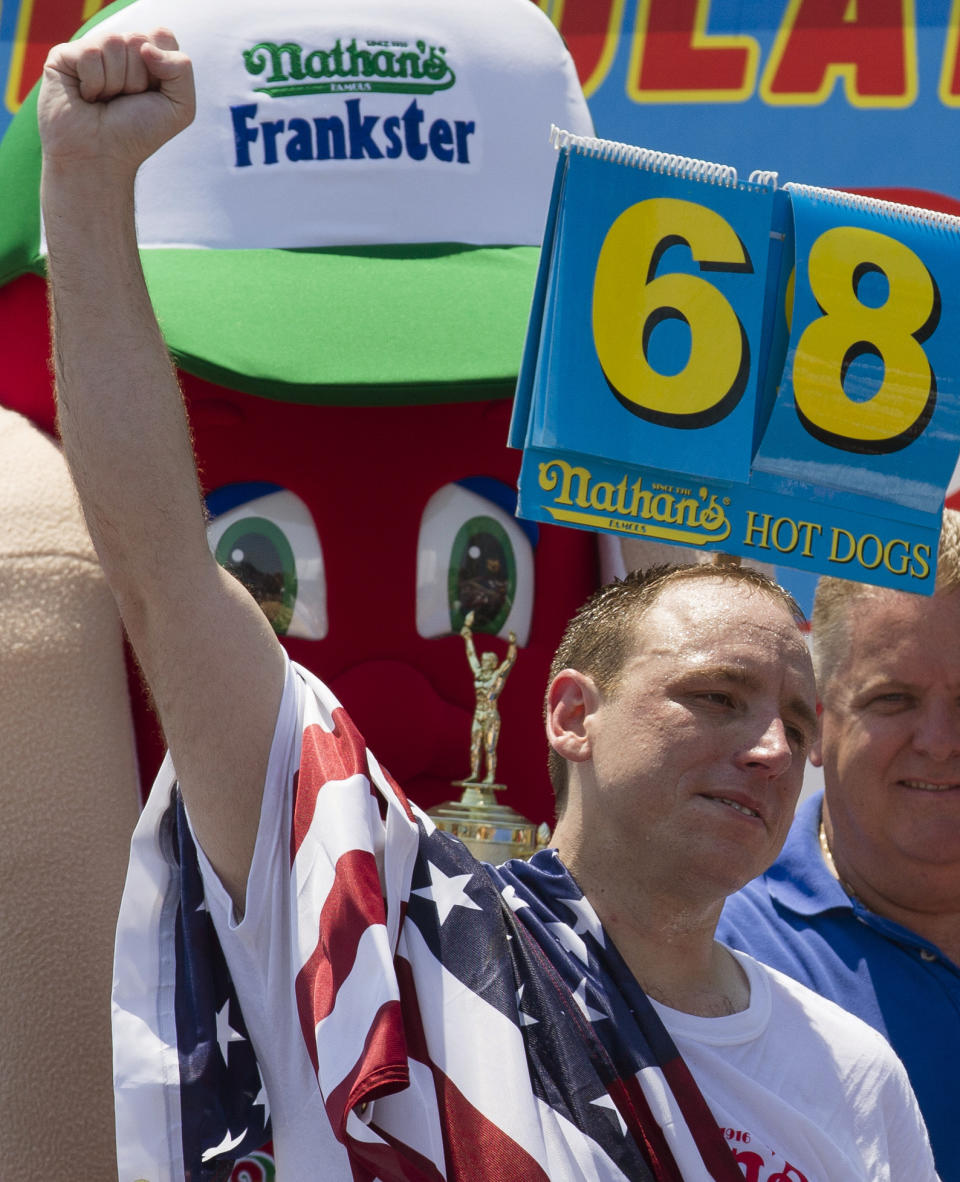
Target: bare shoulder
216,670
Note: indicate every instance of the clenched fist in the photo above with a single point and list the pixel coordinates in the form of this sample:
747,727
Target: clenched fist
112,100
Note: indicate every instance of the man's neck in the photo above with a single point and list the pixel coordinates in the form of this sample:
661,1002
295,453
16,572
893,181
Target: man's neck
666,942
715,988
926,902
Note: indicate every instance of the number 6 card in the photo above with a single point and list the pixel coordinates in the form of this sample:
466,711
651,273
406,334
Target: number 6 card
654,316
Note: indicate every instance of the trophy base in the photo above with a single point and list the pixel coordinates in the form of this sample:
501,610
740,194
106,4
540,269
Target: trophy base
491,832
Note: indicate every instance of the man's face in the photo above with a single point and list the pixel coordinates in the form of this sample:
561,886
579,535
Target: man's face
698,754
890,745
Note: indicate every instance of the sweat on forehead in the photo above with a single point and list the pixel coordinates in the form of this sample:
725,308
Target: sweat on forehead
602,632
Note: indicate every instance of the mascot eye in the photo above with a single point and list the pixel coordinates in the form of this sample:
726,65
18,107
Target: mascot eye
264,535
474,555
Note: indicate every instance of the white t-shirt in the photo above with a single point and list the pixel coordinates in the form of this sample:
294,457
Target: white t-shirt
798,1073
803,1091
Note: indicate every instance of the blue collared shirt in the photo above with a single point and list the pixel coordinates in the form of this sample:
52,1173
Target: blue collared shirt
798,919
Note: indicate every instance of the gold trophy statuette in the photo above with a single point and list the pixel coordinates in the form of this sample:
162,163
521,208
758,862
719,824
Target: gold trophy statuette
492,832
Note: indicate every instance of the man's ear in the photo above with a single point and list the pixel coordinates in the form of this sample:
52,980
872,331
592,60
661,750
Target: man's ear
571,699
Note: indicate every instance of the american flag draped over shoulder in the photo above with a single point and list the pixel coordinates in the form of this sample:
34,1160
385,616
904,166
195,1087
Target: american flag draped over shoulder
464,1022
183,1114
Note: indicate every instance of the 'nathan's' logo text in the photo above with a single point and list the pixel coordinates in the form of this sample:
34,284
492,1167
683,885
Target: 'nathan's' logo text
660,512
391,66
349,133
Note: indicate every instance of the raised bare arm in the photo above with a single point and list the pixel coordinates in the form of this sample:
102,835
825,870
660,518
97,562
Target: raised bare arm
210,658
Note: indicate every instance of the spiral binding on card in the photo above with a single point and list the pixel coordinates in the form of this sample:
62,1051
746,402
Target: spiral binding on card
635,157
911,214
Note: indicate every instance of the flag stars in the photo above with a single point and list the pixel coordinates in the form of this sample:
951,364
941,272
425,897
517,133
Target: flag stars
512,899
263,1101
225,1145
564,934
606,1101
225,1032
580,997
587,920
447,891
525,1019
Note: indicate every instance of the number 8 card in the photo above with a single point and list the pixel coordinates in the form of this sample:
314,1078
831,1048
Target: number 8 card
868,403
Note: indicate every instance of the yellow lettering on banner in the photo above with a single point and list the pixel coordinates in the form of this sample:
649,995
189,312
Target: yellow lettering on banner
902,561
591,28
630,299
949,88
763,529
783,533
809,527
675,59
901,407
603,496
595,521
548,480
921,555
870,552
792,535
702,518
870,46
849,542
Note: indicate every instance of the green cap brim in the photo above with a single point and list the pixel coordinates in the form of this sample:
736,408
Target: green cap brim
368,326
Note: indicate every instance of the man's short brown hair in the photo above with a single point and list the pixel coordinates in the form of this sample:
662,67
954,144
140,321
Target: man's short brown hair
831,604
600,636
